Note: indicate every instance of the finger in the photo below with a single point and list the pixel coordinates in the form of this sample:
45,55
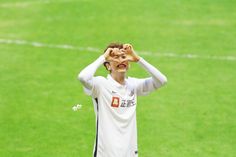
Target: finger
128,48
120,53
122,50
127,45
108,51
112,54
117,51
114,60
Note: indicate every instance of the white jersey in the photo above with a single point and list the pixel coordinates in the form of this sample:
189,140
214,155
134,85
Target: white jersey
115,109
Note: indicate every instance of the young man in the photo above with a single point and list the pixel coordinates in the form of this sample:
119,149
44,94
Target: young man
115,99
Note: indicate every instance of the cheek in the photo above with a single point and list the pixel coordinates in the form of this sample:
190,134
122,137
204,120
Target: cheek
113,66
128,65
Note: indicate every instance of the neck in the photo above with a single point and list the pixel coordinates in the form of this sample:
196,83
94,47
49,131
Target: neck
119,77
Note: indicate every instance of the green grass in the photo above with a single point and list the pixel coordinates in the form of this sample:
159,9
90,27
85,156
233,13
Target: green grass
193,116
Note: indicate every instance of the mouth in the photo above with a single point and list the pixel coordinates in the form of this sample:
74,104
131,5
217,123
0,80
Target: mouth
121,66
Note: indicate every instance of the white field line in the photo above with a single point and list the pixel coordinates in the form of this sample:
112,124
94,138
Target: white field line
38,44
28,3
93,49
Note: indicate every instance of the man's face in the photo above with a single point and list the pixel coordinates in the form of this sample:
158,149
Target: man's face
121,64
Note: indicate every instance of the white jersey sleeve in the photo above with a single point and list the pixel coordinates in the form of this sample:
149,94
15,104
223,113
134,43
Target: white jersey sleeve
86,77
147,85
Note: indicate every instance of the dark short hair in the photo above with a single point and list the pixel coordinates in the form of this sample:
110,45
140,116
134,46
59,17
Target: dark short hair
112,45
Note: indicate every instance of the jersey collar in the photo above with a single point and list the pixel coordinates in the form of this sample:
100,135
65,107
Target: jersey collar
115,82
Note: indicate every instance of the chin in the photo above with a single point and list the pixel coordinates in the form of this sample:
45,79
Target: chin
121,70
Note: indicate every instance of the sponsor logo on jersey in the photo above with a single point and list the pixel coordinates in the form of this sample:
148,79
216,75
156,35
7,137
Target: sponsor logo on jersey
124,102
131,93
127,103
115,102
113,92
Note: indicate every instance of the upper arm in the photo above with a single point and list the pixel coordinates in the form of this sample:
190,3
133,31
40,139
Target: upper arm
92,86
145,86
87,83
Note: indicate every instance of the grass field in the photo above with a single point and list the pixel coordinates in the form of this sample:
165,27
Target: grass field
194,115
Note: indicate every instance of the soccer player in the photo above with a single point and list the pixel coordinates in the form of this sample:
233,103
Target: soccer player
115,99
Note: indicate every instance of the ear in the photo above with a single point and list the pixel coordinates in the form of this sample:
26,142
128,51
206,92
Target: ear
107,65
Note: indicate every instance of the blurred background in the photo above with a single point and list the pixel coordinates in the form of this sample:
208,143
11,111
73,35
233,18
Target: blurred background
44,44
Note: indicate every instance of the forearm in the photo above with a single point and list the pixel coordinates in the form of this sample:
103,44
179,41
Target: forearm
86,75
157,76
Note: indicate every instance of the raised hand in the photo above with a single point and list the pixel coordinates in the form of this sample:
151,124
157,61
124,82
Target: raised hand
110,54
130,54
115,54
